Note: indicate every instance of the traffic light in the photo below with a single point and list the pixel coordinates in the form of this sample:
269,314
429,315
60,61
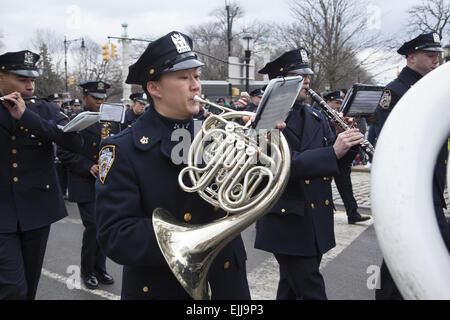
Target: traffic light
234,92
113,50
71,81
105,52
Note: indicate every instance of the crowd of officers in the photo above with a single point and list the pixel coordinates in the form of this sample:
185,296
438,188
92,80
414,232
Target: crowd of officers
119,180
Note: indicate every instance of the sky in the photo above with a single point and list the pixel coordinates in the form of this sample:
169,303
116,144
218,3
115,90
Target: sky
100,19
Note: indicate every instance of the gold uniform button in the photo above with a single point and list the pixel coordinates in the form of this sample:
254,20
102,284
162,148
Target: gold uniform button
445,161
47,186
26,130
15,179
14,151
13,138
39,143
145,289
326,178
15,165
312,205
226,265
216,209
327,202
94,156
307,181
21,128
94,144
187,217
283,210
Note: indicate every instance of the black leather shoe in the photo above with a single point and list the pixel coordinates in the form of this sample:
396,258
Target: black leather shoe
353,220
104,278
90,281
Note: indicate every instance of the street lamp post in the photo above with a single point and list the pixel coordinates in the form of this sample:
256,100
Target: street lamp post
66,46
248,54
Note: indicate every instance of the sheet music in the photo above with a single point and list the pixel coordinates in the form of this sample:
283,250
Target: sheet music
82,121
277,101
361,100
114,112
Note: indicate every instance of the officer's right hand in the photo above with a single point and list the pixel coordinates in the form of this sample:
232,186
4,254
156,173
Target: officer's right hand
94,170
15,104
345,140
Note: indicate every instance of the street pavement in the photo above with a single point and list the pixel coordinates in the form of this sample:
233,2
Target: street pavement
350,269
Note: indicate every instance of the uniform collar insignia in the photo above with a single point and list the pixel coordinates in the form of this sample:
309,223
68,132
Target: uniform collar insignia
144,140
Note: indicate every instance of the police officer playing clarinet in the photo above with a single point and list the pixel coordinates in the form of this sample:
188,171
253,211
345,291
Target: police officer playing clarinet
299,229
30,197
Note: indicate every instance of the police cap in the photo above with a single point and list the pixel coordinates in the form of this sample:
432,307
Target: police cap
55,97
257,93
334,95
75,102
140,97
169,53
294,61
424,42
22,63
97,89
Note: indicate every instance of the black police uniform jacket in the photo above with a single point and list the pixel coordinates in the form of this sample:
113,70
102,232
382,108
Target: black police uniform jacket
80,182
136,178
30,195
301,223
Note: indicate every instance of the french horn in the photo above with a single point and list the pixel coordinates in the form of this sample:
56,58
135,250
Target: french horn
401,188
230,167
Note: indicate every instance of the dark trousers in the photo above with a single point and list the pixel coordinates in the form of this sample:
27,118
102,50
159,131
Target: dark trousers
21,259
388,289
92,257
344,185
300,278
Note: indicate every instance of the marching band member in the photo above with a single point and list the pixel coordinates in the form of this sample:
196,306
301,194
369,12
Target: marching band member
422,57
82,172
30,198
299,229
137,175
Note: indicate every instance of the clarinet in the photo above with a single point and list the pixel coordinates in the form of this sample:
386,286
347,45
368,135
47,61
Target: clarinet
333,115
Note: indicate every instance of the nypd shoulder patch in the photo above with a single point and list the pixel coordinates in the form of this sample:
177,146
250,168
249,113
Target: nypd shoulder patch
385,100
107,156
